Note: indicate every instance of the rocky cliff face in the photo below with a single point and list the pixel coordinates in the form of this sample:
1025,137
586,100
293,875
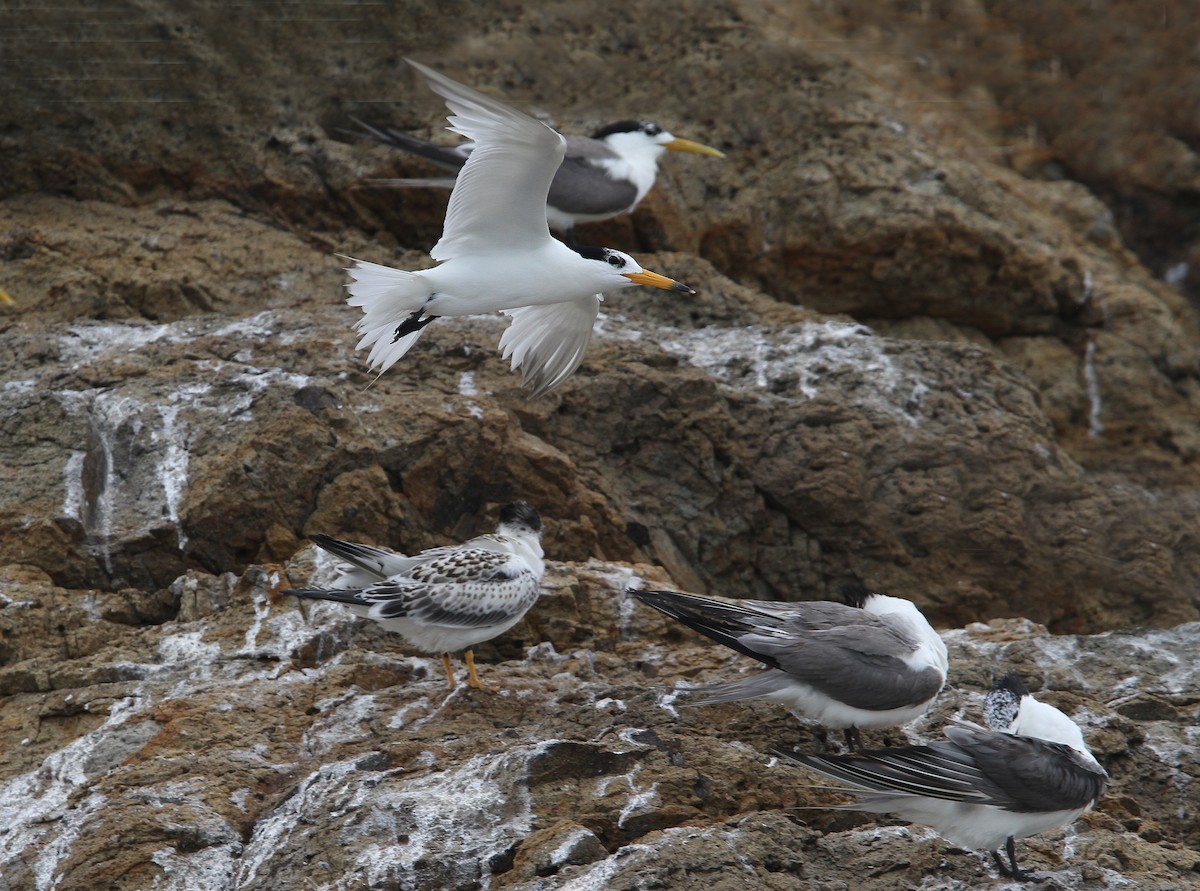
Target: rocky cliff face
921,357
255,742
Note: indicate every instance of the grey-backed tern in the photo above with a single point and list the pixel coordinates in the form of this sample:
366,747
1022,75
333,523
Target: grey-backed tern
874,662
496,253
602,176
1029,773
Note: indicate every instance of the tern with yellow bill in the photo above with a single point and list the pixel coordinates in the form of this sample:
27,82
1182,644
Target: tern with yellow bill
496,253
602,176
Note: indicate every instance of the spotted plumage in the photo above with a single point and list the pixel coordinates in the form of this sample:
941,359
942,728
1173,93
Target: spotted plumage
444,599
1003,702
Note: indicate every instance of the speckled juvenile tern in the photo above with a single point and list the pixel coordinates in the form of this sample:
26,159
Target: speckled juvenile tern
496,253
873,662
602,176
1031,772
444,599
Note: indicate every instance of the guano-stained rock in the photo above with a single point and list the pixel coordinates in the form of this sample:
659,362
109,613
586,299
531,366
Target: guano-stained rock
921,357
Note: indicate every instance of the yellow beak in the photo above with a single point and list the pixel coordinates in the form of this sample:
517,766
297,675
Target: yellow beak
686,145
654,280
4,298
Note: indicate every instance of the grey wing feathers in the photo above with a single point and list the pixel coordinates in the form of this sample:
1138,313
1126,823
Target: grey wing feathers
584,148
819,643
764,683
873,656
416,182
379,562
451,157
938,770
581,187
336,595
725,622
984,767
1032,774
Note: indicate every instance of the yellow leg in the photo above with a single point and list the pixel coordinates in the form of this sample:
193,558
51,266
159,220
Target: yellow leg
449,670
473,678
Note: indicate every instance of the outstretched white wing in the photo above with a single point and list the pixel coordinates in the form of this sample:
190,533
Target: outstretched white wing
499,199
548,342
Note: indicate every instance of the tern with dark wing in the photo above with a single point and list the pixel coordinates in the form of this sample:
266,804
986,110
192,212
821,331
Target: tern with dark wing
444,599
982,789
496,253
872,662
602,176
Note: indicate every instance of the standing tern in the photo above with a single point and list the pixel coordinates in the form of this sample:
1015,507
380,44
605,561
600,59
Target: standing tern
444,599
496,253
602,176
983,788
873,662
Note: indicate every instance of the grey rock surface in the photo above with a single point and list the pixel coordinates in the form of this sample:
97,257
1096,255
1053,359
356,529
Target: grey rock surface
943,344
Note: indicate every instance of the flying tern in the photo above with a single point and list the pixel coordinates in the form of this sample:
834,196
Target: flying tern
984,788
444,599
496,253
872,662
602,176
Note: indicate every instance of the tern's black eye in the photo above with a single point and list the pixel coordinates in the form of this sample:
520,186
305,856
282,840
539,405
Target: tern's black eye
616,260
650,128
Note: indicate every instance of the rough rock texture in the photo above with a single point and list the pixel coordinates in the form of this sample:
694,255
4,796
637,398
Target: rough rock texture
747,446
257,742
929,353
1103,95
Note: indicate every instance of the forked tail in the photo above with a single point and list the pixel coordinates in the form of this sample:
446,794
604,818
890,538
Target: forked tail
760,684
388,298
451,157
727,623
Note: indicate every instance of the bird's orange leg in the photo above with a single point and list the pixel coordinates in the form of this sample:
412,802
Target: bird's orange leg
473,678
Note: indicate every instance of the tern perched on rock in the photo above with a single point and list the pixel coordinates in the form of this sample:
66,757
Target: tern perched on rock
982,789
602,176
444,599
872,662
496,253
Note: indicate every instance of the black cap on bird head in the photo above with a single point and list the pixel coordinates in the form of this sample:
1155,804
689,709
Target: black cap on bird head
1013,684
648,127
855,594
1002,704
521,513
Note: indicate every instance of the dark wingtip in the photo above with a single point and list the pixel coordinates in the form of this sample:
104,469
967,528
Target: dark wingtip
652,596
521,513
332,595
373,132
1013,684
